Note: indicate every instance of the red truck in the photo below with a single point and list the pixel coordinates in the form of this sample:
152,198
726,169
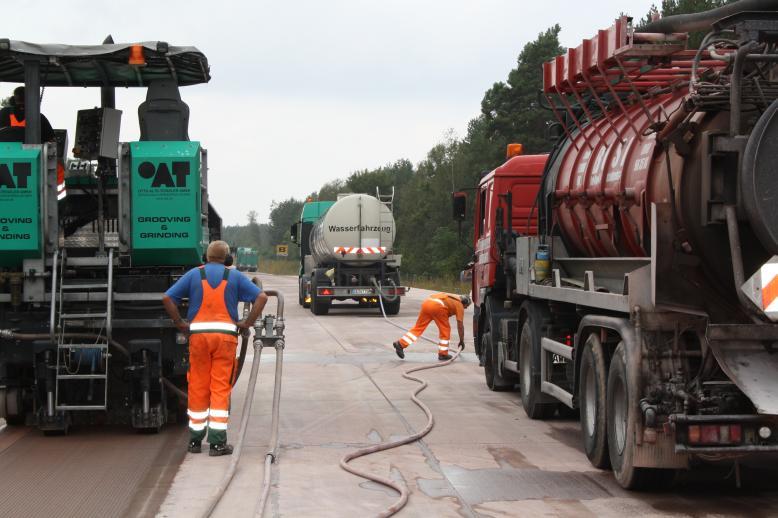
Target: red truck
631,274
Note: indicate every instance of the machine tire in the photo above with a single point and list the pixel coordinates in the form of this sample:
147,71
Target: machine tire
529,369
319,306
392,308
3,413
14,407
621,419
593,382
494,380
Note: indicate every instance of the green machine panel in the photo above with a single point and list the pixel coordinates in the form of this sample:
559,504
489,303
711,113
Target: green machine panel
20,204
166,203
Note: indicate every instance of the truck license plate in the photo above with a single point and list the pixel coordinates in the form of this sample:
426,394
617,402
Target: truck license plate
362,291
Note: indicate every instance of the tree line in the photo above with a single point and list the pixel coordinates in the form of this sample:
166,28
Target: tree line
427,236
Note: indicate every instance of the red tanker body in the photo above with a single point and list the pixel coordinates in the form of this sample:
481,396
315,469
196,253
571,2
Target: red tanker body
637,286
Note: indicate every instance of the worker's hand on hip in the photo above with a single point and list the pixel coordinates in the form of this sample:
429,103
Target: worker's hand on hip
183,326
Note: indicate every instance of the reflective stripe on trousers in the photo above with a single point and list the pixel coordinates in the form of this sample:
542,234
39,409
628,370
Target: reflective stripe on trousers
431,310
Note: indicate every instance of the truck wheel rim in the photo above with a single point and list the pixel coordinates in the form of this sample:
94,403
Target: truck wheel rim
620,415
590,393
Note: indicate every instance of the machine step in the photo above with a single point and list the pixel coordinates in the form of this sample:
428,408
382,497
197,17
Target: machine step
81,316
85,286
81,407
82,376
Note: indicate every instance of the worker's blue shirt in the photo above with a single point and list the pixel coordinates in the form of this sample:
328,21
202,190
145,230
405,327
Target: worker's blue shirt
239,289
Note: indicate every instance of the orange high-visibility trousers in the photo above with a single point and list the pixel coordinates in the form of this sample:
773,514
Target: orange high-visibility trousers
211,371
212,345
432,310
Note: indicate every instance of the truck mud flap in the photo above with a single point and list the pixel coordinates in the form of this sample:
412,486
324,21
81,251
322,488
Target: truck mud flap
744,355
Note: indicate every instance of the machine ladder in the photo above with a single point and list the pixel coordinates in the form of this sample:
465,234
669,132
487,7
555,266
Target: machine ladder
80,360
387,200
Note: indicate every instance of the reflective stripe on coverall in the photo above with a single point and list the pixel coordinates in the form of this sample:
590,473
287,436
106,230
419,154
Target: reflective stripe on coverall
16,123
212,344
431,309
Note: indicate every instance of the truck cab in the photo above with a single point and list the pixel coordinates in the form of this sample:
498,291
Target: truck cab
504,208
301,232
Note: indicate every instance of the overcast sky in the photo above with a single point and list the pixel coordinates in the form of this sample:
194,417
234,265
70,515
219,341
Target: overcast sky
304,92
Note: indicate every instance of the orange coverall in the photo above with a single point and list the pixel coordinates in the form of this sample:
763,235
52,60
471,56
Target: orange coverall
438,308
212,345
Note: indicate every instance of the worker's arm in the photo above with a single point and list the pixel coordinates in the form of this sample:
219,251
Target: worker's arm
256,310
172,311
461,331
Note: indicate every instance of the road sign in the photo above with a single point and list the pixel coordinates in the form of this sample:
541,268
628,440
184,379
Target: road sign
282,250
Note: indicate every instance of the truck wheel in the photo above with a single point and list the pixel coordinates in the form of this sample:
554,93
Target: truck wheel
392,308
319,305
621,431
494,381
529,367
302,294
592,386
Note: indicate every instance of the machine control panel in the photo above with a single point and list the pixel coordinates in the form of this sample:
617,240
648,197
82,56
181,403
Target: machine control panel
97,133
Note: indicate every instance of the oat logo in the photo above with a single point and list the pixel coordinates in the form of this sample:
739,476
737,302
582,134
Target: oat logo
16,176
162,176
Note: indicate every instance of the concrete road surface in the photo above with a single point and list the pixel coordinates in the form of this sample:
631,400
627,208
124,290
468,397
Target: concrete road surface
342,389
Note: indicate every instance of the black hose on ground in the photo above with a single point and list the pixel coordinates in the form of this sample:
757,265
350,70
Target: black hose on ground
273,336
400,488
702,21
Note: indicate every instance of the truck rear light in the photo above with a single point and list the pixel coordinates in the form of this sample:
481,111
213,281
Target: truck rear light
569,340
694,434
325,291
715,434
710,434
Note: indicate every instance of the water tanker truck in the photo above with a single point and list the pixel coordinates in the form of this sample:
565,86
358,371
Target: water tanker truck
630,275
89,243
346,253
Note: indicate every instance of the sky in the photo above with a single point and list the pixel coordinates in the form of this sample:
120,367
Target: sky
307,91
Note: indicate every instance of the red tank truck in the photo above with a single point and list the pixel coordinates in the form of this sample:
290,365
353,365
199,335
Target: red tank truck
629,274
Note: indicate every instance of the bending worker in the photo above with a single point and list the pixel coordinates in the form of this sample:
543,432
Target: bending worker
438,308
213,291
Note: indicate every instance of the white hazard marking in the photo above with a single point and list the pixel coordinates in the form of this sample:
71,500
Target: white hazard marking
642,161
762,288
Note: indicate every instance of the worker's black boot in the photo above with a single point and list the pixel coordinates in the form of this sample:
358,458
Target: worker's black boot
220,449
194,447
398,348
444,357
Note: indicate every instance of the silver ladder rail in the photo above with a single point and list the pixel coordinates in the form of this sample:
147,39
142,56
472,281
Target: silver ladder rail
388,201
63,374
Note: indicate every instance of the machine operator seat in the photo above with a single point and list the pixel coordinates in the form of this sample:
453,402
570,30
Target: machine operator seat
163,116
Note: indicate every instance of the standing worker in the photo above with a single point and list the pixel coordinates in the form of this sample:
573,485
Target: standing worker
439,308
213,291
13,116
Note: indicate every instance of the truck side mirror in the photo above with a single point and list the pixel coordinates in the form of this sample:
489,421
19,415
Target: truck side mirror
459,204
293,233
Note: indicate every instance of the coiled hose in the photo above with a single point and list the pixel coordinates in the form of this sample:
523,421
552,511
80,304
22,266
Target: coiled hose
402,489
